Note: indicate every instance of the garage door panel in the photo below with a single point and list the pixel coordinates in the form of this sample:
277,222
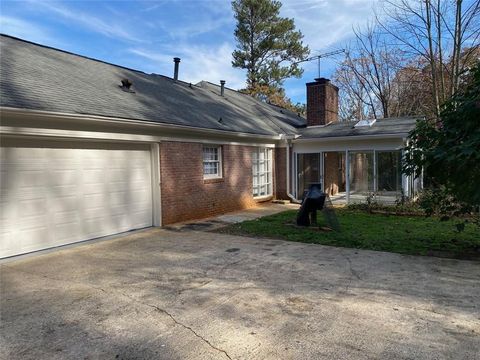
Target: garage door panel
33,206
139,216
28,237
63,177
120,186
139,197
60,190
63,204
30,178
95,188
66,232
66,217
93,176
56,195
97,227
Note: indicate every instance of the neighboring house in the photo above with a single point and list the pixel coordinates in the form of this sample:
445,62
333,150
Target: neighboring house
90,149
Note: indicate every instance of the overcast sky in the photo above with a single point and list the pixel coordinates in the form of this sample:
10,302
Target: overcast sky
146,35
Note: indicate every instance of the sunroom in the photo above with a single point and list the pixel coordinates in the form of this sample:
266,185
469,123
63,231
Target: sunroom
354,161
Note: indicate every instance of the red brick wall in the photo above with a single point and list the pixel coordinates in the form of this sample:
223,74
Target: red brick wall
322,102
280,180
186,195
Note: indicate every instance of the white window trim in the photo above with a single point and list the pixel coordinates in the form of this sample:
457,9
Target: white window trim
219,174
269,184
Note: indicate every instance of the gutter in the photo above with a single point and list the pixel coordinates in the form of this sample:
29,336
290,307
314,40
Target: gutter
142,123
353,137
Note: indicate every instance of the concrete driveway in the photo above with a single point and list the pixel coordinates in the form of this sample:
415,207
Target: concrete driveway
163,294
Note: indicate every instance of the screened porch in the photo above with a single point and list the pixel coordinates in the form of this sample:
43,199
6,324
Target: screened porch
352,175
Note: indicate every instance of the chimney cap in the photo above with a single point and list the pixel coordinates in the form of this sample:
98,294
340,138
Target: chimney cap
322,81
222,82
176,59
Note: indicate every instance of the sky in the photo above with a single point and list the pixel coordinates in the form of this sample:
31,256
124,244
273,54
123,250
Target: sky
146,35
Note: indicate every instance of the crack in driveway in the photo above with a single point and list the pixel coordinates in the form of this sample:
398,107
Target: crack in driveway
190,329
163,311
352,270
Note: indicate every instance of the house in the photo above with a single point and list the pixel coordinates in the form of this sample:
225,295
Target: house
90,149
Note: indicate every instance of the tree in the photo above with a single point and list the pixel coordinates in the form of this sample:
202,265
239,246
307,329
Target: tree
411,60
436,31
268,46
448,149
366,76
411,90
354,102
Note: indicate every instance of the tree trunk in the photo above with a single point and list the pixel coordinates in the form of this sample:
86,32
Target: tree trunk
457,41
432,60
440,52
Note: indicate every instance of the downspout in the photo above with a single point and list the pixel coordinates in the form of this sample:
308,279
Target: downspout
288,172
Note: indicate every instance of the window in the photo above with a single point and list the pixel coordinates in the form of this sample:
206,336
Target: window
389,172
212,162
262,172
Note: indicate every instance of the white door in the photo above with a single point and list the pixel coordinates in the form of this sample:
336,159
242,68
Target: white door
55,193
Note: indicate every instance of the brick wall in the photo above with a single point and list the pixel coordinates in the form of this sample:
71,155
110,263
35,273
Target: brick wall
322,102
280,173
186,195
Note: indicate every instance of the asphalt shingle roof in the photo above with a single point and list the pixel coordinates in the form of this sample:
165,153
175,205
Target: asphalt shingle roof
42,78
391,126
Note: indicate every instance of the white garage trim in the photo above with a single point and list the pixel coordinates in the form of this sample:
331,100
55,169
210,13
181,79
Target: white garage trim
156,185
67,134
117,136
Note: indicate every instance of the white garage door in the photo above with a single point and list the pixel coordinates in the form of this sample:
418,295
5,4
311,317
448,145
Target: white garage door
55,193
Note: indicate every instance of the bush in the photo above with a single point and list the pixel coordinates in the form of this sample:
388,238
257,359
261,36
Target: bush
403,205
439,202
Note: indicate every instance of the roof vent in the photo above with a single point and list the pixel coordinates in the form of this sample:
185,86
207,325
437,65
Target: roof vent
126,85
176,60
222,87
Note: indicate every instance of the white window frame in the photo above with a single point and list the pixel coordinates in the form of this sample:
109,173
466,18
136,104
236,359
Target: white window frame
265,177
218,161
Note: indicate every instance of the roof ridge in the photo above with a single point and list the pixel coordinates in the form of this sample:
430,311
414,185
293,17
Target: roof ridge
250,96
225,87
259,105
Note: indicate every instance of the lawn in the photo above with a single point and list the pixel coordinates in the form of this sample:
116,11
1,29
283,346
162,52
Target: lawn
414,235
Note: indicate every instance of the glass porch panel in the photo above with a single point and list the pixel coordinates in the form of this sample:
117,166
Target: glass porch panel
308,167
389,172
361,172
334,174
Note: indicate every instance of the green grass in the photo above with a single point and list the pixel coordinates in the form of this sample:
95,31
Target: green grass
414,235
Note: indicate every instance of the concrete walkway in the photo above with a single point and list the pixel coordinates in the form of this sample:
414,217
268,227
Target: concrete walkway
168,294
233,217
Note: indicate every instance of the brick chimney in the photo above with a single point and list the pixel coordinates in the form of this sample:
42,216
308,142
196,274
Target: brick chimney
322,102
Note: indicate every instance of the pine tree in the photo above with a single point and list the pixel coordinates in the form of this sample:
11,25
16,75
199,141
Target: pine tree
267,46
